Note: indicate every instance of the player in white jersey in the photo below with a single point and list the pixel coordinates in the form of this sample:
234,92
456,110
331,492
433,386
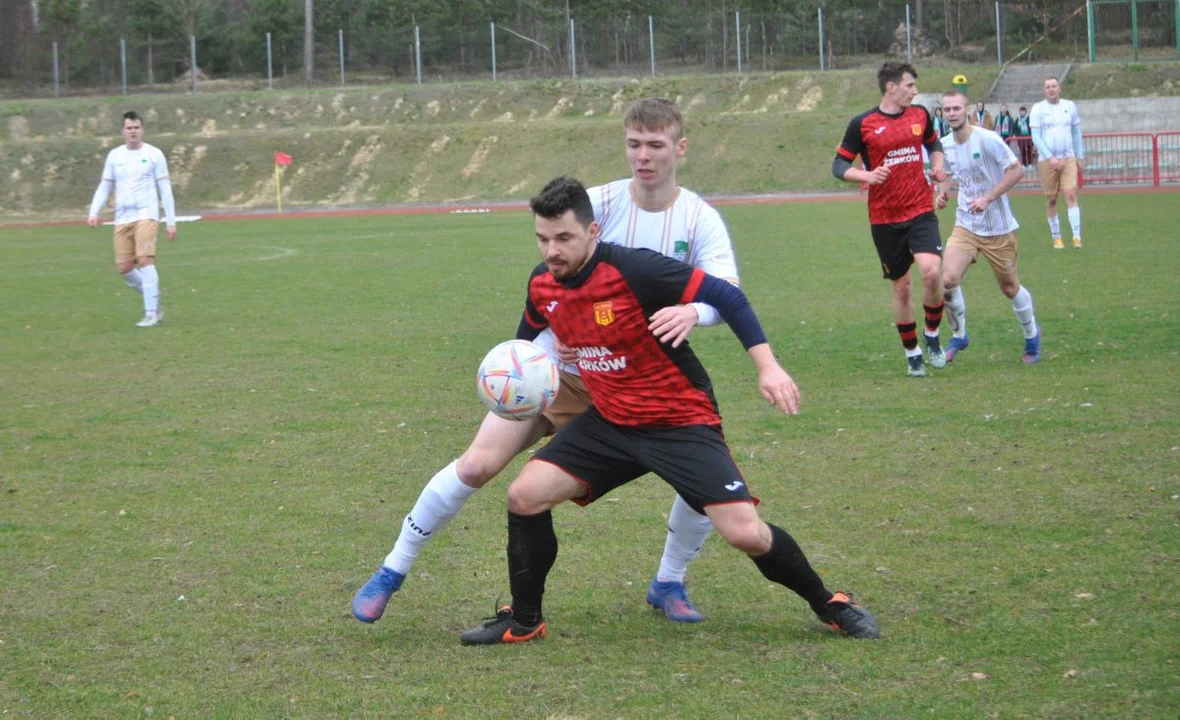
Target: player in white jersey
1057,133
648,210
985,169
138,173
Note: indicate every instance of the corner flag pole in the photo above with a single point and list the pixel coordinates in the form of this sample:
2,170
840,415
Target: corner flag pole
281,160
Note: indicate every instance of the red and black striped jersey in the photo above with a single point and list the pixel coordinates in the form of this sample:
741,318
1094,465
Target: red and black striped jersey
894,141
603,314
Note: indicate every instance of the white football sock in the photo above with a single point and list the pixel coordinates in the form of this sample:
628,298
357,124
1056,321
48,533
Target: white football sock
151,288
441,500
956,311
1022,305
1054,225
687,530
1075,220
134,280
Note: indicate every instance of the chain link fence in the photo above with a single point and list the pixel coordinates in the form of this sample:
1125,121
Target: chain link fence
856,33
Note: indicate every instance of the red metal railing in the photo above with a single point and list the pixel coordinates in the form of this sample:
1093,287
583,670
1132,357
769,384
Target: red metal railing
1115,159
1167,156
1111,159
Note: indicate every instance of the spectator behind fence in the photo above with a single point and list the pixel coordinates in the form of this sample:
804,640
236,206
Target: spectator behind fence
940,125
982,118
1005,125
1023,135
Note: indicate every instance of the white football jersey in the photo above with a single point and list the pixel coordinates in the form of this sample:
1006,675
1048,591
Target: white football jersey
978,166
689,230
1056,121
135,173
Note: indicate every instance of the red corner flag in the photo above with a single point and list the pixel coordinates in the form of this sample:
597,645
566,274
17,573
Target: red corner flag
282,158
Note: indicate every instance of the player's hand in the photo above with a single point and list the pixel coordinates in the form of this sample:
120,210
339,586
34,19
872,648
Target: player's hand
564,352
673,324
171,230
938,173
1055,163
878,175
779,390
978,205
941,200
92,221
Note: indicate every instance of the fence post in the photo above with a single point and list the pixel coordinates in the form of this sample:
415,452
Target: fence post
573,52
56,76
651,42
737,30
1155,160
270,78
909,45
192,51
1000,34
493,52
123,62
1090,27
340,45
1135,28
418,52
821,39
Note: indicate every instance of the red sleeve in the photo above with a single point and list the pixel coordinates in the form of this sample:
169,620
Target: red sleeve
931,134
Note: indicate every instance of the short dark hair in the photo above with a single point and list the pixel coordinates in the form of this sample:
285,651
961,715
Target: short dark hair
892,72
132,115
561,195
1024,108
1053,77
655,115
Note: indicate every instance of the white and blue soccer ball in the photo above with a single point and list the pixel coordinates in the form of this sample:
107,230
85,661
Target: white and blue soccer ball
517,380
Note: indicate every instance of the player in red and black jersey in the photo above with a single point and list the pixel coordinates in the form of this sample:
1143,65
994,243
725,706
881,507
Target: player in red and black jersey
889,139
653,411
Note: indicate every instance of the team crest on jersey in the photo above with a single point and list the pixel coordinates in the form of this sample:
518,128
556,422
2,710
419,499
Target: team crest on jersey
916,128
680,250
603,314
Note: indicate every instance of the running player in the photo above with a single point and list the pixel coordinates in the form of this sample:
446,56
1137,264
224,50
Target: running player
985,169
647,210
890,138
653,411
138,173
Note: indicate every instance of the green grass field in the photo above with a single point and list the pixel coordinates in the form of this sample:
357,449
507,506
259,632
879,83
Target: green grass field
185,512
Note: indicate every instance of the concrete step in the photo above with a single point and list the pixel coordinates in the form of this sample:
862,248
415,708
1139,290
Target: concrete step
1020,83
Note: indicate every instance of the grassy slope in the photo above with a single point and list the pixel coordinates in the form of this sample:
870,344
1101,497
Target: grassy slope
396,144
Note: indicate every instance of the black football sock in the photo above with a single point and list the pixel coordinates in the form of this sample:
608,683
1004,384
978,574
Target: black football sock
532,548
786,565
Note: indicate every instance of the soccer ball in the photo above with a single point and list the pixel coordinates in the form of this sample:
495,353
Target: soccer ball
517,380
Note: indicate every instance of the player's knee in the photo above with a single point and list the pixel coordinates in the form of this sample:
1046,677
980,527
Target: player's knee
477,467
950,281
125,267
1009,288
746,536
144,261
522,501
930,275
902,290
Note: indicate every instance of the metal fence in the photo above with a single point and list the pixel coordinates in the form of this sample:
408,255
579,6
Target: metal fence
1115,159
855,33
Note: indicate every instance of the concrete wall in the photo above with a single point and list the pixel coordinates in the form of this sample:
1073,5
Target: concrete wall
1149,114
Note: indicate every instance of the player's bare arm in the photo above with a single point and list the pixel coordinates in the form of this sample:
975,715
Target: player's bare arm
773,381
1011,176
672,325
